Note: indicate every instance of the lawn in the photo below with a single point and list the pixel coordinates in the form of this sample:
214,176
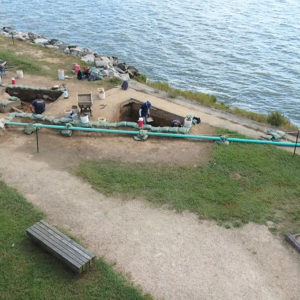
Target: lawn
242,183
27,272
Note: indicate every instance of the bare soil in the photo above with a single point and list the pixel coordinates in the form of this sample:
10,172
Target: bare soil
170,255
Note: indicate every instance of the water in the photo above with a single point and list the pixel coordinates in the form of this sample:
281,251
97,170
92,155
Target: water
246,52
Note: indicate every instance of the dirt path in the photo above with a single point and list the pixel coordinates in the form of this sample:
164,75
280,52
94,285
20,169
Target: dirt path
172,256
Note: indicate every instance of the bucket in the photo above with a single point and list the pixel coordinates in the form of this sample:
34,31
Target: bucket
187,122
84,119
13,80
74,109
101,93
141,122
66,94
20,74
61,74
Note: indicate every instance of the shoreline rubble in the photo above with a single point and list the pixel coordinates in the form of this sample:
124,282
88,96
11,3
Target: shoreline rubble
108,65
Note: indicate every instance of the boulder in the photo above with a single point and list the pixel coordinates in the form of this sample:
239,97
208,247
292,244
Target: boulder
21,36
53,42
122,66
33,36
114,60
102,61
41,41
132,71
8,29
77,51
89,58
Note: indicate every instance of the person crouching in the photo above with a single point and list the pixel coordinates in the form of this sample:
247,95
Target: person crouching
38,105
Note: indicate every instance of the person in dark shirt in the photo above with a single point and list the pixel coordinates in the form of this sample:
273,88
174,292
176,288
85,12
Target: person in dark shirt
144,111
38,105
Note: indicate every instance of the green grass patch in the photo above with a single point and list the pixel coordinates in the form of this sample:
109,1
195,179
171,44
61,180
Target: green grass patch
274,118
242,183
28,272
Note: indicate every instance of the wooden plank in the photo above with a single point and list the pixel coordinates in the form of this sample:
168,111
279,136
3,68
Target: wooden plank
58,243
56,252
55,246
69,242
63,242
90,254
66,255
293,241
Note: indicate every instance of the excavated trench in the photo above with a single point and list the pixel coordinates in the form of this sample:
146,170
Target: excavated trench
28,94
129,111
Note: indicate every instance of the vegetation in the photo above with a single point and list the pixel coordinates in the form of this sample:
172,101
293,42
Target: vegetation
242,183
275,119
38,60
27,272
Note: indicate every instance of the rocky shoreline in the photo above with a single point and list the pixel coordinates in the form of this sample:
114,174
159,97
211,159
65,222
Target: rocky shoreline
108,65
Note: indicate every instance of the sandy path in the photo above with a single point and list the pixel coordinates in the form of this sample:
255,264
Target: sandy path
172,256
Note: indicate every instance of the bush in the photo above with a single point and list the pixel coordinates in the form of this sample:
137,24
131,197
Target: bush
141,78
275,118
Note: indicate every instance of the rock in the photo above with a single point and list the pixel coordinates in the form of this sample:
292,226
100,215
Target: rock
67,50
53,41
21,36
89,58
77,51
102,62
33,36
132,71
51,46
41,41
7,29
63,46
122,66
114,60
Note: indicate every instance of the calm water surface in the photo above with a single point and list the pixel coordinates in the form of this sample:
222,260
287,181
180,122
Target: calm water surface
246,52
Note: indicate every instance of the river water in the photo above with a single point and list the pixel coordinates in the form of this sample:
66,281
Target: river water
246,52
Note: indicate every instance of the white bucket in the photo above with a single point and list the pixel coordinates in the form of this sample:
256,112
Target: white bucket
20,74
84,119
101,94
187,123
61,74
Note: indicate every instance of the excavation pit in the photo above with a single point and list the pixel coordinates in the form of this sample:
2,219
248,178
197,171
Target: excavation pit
29,93
129,111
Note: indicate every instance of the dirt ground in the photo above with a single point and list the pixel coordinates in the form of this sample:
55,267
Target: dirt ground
170,255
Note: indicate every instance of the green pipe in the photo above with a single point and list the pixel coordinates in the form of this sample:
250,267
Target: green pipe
213,138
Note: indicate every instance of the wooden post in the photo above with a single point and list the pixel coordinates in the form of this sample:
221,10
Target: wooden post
37,140
12,37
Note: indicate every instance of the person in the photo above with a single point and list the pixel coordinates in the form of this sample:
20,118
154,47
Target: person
144,111
38,105
176,123
124,85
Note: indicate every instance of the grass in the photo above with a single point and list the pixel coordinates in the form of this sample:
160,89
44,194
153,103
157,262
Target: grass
38,60
242,183
27,272
211,101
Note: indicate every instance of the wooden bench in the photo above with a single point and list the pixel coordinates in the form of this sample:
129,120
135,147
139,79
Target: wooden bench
64,248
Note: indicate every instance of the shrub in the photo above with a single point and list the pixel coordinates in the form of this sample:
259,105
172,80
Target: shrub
275,118
141,78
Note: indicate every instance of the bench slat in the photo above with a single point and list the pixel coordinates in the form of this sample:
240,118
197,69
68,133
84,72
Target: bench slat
68,239
65,243
69,251
49,247
64,248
